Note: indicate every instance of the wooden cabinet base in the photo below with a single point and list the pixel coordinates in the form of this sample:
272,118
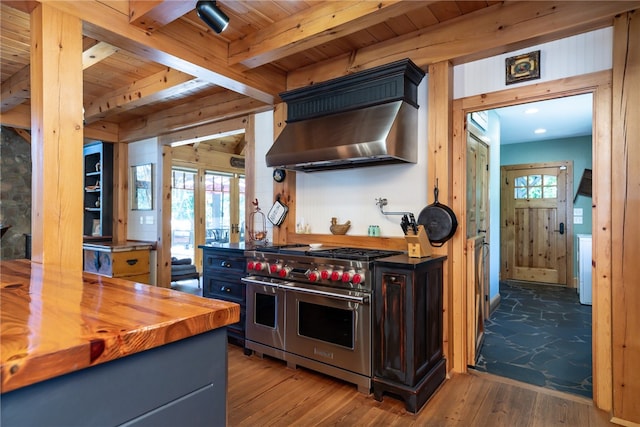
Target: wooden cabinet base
414,397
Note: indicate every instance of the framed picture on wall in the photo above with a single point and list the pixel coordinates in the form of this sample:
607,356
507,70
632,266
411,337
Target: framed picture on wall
523,67
142,187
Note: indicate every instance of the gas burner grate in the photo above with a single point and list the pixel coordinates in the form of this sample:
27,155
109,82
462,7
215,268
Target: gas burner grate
356,254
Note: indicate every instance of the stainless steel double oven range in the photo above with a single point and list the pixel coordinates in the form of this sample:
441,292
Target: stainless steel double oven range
313,308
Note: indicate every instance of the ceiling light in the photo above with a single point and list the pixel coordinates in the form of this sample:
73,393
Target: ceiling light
212,15
531,111
540,130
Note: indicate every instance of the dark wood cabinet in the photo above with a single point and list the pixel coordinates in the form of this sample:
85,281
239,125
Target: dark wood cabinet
407,333
98,191
223,267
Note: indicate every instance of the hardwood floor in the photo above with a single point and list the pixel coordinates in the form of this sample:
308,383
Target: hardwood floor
264,392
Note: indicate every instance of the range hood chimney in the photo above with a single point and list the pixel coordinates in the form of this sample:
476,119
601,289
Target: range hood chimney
364,119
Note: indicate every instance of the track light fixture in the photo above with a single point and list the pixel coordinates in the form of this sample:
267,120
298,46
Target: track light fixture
212,15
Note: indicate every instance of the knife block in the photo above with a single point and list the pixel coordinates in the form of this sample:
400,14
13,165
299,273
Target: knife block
418,244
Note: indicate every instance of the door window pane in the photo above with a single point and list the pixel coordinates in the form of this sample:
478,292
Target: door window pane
218,207
182,213
536,187
241,213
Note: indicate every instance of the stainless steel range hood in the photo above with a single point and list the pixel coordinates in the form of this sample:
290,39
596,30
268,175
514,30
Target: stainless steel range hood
379,134
362,119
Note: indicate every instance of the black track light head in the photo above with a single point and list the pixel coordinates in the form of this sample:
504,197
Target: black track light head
209,12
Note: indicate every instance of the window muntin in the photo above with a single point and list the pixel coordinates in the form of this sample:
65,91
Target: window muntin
536,186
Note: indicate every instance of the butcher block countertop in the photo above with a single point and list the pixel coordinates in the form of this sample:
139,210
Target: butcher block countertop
54,322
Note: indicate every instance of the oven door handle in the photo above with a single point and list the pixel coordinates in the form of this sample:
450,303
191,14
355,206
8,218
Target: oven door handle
360,300
253,281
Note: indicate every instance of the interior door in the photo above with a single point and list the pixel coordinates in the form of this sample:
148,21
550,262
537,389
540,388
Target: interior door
534,222
477,241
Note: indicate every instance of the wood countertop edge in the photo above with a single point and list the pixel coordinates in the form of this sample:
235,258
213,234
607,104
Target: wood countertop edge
56,322
22,372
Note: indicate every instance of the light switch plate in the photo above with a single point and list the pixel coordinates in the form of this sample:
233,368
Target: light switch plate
577,219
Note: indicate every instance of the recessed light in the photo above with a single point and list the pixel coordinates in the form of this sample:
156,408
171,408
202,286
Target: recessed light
531,111
540,130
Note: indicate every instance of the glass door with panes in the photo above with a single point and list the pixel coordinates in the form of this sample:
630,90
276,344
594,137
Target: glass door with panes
224,209
182,213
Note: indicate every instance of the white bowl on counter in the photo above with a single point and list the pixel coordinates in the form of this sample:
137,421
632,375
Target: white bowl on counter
315,245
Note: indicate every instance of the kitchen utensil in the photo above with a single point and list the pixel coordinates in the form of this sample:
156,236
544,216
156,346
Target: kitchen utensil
439,221
404,224
412,223
315,245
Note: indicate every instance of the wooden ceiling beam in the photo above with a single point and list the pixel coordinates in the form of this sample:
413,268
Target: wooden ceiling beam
97,53
16,89
200,54
317,25
497,29
149,15
154,88
210,109
216,128
20,118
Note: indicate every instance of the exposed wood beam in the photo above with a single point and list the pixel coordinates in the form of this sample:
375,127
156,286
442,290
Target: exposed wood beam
153,88
150,15
215,128
490,31
20,117
23,133
16,89
56,208
97,53
313,27
180,49
210,109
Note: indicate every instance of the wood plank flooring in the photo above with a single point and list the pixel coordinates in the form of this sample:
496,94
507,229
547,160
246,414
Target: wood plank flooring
264,392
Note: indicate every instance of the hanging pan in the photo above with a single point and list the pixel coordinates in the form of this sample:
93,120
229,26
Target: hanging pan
439,221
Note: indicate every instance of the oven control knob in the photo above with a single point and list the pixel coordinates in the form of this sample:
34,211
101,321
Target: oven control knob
357,279
284,272
250,265
336,275
314,276
258,266
274,268
325,274
347,276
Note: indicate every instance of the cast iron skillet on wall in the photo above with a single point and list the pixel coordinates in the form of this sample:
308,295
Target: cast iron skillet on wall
439,221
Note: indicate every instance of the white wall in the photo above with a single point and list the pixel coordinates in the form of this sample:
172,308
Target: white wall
143,225
571,56
263,174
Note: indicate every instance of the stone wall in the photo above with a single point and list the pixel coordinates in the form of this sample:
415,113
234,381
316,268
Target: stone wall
15,192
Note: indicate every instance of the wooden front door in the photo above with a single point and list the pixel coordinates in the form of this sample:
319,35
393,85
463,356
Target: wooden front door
535,230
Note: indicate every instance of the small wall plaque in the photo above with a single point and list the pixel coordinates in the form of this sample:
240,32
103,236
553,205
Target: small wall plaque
523,67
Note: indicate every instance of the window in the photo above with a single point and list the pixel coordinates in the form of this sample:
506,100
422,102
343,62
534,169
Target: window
182,213
536,187
224,211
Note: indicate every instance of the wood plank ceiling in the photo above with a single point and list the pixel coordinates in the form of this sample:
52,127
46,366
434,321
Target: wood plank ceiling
153,67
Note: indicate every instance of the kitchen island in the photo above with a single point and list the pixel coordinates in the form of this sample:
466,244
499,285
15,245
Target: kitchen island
83,349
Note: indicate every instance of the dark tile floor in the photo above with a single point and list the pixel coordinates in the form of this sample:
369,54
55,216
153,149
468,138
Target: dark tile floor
540,335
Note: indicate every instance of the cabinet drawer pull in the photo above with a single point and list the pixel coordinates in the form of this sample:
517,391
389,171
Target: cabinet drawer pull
225,289
132,261
225,264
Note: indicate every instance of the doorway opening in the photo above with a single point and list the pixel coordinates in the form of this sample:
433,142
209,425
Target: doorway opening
540,333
